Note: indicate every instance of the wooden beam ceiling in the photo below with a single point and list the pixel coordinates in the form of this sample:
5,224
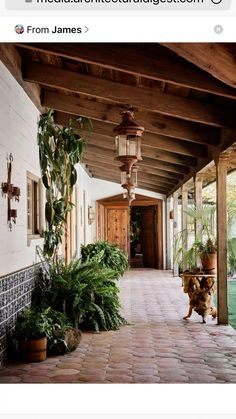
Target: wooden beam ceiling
144,98
151,144
214,58
133,59
110,178
188,114
107,112
142,175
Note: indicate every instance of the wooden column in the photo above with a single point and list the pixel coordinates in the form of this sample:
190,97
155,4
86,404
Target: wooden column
175,230
198,181
184,218
221,205
168,235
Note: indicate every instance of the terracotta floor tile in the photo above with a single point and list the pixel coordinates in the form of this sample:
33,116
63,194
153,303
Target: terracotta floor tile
157,346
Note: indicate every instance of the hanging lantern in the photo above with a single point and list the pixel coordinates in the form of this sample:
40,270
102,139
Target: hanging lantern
129,177
129,194
128,140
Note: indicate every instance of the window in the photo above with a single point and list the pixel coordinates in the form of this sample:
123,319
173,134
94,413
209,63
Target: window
33,198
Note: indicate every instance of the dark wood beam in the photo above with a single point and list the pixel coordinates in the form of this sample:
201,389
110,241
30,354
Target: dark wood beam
13,61
228,138
152,144
110,113
98,159
157,189
149,162
214,58
99,153
133,59
152,100
169,167
112,169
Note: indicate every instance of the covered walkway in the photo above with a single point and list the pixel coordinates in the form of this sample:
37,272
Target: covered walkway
156,347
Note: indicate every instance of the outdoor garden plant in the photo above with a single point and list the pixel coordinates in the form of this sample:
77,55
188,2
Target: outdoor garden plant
107,255
86,293
60,150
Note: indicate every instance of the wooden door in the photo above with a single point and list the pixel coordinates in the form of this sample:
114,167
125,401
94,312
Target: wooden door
118,227
149,238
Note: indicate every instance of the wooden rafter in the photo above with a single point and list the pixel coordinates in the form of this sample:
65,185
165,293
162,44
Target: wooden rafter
134,60
183,94
216,59
157,124
145,98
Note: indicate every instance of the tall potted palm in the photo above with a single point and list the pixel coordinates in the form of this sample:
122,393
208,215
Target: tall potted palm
204,245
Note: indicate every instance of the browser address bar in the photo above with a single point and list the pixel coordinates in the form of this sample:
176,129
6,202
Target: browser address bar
160,5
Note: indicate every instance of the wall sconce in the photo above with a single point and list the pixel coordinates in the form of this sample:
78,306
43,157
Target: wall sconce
91,214
11,192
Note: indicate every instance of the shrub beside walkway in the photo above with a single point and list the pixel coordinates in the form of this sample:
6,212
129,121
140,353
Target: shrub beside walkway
156,347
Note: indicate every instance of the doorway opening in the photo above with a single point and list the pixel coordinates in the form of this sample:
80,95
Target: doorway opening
119,224
144,240
136,245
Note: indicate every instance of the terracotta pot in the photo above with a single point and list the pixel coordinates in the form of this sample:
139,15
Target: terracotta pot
33,350
208,261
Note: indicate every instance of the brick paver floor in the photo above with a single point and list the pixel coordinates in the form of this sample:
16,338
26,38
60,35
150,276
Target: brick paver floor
157,346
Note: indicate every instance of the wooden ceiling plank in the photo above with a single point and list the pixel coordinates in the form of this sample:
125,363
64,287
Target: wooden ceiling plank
155,163
109,113
142,185
227,140
151,144
148,174
160,172
158,180
132,59
144,98
214,58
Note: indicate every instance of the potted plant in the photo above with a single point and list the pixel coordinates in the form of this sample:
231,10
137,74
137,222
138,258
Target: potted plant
204,245
32,330
207,253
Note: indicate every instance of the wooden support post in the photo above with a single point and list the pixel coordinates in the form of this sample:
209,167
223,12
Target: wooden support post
168,235
221,205
175,230
184,218
198,181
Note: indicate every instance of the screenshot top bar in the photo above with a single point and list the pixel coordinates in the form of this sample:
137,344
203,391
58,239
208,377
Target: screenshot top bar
158,5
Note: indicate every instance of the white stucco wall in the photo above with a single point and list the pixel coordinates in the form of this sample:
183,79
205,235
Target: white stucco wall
18,135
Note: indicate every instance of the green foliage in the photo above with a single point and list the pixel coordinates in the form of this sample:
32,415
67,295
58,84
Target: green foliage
231,256
32,324
106,255
85,292
205,243
60,150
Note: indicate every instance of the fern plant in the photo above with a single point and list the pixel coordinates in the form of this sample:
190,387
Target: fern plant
107,255
85,292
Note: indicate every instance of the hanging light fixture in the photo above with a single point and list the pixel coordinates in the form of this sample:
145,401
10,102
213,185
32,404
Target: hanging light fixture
129,177
128,141
129,182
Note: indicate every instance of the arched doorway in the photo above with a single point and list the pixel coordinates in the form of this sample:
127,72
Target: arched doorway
113,224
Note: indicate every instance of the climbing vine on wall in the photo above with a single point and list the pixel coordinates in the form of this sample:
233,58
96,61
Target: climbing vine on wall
60,150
